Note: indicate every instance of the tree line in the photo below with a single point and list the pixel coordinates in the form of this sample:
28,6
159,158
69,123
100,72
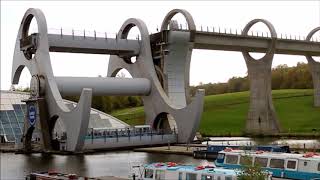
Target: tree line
111,103
283,77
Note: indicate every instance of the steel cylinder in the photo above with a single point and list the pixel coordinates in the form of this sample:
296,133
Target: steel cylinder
104,86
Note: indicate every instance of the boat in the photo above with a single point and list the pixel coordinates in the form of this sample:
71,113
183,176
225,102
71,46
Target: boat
174,171
211,151
55,175
52,175
282,165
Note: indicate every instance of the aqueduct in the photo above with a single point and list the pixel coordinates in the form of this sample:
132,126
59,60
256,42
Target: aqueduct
160,74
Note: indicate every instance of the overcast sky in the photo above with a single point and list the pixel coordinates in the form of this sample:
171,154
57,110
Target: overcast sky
295,17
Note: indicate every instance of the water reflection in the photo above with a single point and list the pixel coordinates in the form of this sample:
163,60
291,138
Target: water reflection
16,166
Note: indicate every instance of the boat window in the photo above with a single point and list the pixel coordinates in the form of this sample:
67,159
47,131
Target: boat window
191,176
206,177
228,178
277,163
318,166
262,162
160,175
220,156
231,159
291,164
148,173
305,163
245,160
180,176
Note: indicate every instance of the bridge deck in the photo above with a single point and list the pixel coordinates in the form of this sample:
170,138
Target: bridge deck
202,40
232,42
93,45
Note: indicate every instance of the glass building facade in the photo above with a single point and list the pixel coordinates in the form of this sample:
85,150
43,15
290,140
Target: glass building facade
13,113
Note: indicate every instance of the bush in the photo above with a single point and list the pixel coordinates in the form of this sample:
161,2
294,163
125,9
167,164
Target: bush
249,172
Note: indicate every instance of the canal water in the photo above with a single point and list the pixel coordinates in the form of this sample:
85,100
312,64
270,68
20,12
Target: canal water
16,166
119,163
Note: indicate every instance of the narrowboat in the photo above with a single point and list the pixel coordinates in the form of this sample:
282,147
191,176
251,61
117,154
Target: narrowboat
282,165
170,170
211,151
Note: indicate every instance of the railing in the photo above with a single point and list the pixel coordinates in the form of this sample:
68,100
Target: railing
224,30
125,132
89,33
212,29
129,137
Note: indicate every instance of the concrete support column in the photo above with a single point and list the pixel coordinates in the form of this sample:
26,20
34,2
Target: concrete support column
314,68
262,117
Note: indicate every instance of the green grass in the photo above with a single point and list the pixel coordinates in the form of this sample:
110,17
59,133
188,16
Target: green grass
226,114
132,116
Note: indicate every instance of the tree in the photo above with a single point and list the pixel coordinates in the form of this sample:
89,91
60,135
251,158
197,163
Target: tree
249,171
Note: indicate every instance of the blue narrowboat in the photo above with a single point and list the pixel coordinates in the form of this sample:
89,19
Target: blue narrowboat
282,165
173,171
211,152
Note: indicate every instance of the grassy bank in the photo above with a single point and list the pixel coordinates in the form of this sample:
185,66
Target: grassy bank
225,114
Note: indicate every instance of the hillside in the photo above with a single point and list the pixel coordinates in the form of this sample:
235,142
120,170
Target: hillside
225,114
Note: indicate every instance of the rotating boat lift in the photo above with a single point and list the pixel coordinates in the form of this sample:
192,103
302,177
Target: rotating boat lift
160,75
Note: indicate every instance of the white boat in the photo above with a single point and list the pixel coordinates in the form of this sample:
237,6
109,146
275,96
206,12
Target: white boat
282,165
173,171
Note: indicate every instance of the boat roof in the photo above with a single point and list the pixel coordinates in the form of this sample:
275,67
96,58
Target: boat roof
280,155
192,168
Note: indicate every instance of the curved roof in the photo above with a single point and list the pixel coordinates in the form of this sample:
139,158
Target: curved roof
13,112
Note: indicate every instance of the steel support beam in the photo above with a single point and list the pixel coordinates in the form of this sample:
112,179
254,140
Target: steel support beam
93,45
231,42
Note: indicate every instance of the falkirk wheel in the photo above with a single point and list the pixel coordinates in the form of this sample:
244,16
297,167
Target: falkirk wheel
162,105
160,74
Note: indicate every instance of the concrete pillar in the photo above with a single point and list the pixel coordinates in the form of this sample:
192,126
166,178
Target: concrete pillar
262,117
314,68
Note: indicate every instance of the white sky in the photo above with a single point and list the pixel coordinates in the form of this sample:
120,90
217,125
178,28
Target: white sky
290,17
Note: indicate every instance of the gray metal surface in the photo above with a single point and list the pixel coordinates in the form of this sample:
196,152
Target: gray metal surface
159,107
44,85
34,55
231,42
104,86
93,45
134,141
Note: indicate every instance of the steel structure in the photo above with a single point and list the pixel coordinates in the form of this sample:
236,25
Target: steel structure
160,74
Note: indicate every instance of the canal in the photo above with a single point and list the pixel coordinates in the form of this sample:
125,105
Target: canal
16,166
119,163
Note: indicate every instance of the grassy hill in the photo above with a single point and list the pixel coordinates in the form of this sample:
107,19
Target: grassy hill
225,114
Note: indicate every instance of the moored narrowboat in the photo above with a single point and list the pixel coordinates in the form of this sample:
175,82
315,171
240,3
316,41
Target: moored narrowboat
282,165
170,170
211,151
